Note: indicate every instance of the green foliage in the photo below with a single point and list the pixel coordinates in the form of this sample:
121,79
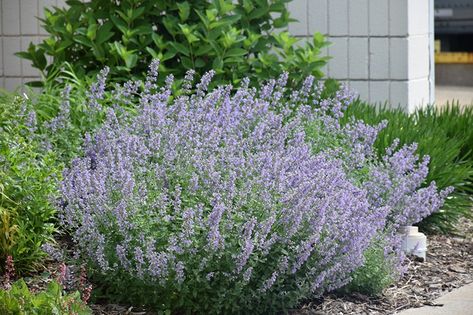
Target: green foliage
28,178
447,137
77,117
19,300
39,135
377,273
236,39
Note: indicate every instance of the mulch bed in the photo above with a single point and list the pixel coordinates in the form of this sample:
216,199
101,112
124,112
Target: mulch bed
449,265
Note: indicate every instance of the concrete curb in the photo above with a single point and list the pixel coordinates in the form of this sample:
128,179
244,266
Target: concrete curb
456,302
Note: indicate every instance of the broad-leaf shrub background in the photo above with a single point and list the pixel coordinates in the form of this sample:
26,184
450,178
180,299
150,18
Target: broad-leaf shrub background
220,202
233,38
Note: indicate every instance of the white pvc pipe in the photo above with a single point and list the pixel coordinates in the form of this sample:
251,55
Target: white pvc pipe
414,242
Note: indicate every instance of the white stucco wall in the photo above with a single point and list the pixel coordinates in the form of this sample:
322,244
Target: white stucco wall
382,48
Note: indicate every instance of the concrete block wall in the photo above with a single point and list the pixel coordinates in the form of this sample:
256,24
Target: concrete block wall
18,27
381,48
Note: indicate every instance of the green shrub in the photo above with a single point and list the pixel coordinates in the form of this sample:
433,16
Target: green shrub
443,134
234,39
376,274
39,135
28,178
64,114
19,300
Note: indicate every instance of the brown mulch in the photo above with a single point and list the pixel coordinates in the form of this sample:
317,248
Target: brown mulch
449,265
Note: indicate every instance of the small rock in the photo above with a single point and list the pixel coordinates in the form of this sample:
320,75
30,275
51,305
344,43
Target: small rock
435,285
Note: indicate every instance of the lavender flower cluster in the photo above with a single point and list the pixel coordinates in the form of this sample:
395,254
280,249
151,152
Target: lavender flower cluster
393,183
218,196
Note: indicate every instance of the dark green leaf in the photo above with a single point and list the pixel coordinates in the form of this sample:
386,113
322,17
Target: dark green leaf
187,63
184,10
203,50
236,52
119,23
217,63
180,48
104,33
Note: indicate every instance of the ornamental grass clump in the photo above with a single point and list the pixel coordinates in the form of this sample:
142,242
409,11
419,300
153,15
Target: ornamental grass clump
212,202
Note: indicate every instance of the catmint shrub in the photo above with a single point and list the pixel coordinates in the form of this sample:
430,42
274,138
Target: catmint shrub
213,201
395,185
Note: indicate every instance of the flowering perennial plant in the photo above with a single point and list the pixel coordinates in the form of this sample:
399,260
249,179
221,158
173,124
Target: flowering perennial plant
392,183
216,201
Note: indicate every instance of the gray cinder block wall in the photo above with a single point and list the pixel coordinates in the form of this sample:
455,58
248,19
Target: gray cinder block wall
18,27
382,48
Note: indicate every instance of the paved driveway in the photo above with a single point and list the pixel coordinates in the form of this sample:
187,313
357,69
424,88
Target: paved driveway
457,302
444,94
